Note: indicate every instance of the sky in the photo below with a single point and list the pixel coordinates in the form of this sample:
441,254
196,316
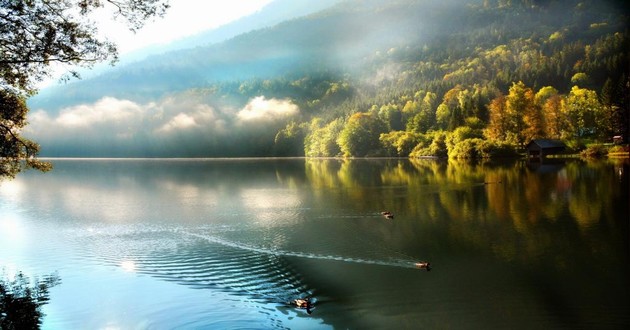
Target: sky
183,18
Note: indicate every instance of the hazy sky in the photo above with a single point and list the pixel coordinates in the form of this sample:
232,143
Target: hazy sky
184,18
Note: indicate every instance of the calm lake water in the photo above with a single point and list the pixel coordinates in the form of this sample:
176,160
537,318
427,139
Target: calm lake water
224,244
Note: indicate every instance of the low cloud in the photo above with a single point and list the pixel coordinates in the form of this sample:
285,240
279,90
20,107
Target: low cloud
261,109
106,110
198,117
119,124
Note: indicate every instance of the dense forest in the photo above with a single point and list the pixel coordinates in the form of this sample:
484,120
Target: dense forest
458,79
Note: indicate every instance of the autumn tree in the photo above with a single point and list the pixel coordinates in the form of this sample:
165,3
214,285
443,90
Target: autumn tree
499,125
534,121
519,104
36,34
555,121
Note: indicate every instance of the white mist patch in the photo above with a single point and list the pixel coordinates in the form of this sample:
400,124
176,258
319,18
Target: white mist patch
123,119
107,109
262,109
199,116
181,121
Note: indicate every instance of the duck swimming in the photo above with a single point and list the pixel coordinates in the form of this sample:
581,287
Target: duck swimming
387,214
303,303
423,265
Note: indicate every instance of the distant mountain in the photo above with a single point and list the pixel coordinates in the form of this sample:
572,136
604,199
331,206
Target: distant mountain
332,39
273,13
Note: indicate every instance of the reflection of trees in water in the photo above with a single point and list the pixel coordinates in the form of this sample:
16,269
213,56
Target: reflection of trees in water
21,301
509,210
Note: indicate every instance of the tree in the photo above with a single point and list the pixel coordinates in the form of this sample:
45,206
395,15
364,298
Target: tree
534,121
392,116
555,121
499,124
322,141
519,103
585,114
450,113
549,102
14,148
400,143
360,135
289,141
38,33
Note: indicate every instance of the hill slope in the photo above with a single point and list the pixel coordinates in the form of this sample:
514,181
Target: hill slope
386,59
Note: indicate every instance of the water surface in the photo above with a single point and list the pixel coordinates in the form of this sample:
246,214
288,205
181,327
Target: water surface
165,244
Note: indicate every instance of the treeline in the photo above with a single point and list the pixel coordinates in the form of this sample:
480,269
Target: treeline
470,98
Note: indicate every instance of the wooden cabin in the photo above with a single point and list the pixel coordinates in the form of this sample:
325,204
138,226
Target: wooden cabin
540,148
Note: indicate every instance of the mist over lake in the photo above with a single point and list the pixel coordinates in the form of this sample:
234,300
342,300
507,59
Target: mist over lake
146,243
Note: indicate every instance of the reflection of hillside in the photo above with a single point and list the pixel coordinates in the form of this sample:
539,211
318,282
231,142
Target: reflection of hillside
510,211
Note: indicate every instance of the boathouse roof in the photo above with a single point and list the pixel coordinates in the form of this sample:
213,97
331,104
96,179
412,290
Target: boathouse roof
545,144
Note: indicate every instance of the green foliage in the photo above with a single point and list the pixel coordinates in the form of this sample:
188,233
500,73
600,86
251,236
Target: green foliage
585,115
321,141
400,143
469,149
360,136
461,134
580,79
594,151
16,152
289,141
436,148
477,148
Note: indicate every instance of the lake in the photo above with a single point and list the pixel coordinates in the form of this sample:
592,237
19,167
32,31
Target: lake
226,243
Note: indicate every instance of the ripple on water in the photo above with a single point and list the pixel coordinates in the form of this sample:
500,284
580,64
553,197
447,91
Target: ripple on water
175,256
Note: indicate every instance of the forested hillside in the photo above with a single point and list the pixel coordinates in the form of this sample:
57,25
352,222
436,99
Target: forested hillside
463,79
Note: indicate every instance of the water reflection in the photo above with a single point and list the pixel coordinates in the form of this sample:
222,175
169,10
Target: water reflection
544,245
562,225
474,198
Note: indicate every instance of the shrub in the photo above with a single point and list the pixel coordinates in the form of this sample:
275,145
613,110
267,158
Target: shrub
436,148
481,149
594,151
468,149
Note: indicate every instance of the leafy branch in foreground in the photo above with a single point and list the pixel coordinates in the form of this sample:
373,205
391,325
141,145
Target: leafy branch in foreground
36,34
